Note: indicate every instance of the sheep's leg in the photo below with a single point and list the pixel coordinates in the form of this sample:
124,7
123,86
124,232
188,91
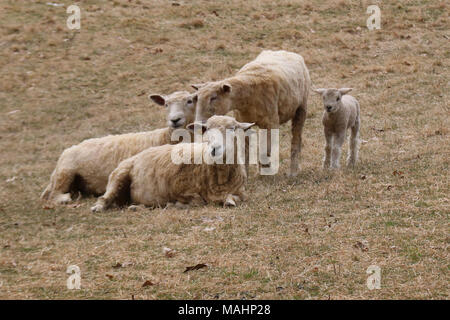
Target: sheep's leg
116,181
296,144
336,149
247,155
267,161
328,146
353,146
241,194
59,188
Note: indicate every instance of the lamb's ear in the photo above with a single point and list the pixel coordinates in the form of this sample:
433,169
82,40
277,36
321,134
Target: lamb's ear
319,91
158,99
197,86
197,124
345,90
226,88
245,125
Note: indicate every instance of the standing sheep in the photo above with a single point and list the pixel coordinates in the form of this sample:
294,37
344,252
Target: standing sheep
341,113
85,167
154,178
269,91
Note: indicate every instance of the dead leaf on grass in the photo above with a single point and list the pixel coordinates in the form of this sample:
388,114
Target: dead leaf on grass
363,245
122,265
196,267
147,283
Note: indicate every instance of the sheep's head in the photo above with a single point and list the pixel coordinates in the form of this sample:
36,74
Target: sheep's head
180,107
218,130
213,98
332,98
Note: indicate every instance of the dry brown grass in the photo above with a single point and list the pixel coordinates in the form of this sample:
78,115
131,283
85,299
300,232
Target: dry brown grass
294,238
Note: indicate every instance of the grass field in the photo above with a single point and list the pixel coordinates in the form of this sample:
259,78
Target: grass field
309,237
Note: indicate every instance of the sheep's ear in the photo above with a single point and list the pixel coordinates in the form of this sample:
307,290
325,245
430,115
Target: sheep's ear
345,90
245,125
158,99
226,88
197,86
319,91
194,125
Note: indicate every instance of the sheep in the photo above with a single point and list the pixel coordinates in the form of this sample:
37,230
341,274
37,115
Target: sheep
341,113
85,167
270,90
153,178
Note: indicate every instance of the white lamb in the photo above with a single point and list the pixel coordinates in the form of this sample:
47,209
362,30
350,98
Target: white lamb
85,167
270,91
341,113
153,178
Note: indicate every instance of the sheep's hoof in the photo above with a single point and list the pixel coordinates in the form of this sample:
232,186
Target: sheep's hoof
294,170
350,164
97,208
292,174
133,208
229,203
180,205
63,198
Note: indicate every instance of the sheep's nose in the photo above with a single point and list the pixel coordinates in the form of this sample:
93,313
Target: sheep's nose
215,150
175,121
329,108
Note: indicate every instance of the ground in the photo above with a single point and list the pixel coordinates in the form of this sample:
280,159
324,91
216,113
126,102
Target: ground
309,237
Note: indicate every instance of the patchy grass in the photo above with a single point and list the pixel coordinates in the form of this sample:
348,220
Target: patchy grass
311,237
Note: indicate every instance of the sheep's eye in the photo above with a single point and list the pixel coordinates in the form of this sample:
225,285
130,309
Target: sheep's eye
337,99
213,98
189,101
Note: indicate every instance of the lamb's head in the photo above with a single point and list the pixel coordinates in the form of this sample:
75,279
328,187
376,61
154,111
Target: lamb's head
180,107
219,133
332,98
214,98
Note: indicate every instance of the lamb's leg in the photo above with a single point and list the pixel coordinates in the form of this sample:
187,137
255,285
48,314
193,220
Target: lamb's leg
336,150
353,146
116,181
59,188
328,146
296,144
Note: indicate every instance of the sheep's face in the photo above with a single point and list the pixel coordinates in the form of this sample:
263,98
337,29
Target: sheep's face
180,107
332,98
213,98
219,134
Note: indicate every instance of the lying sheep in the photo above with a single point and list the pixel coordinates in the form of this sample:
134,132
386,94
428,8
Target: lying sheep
341,113
85,167
153,178
270,90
